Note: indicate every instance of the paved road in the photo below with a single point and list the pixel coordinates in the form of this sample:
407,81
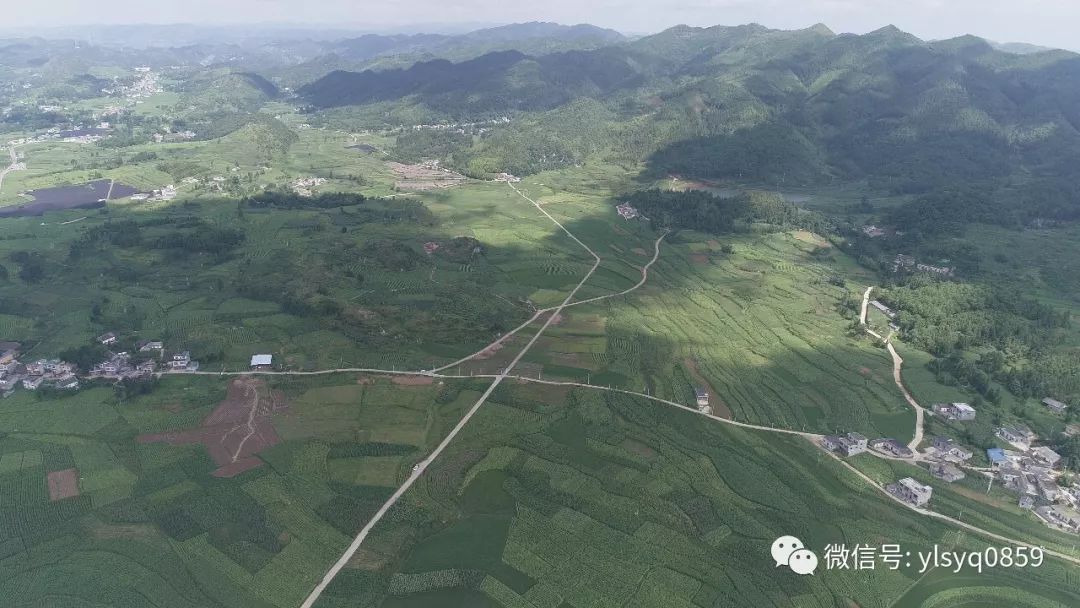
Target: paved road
898,363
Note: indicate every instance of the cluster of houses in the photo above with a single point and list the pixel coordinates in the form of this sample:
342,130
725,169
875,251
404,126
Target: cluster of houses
32,376
1031,474
477,128
173,136
909,264
122,365
305,186
166,193
63,375
508,178
626,211
1028,471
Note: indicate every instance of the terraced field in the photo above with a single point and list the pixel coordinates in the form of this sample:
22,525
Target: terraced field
593,499
151,522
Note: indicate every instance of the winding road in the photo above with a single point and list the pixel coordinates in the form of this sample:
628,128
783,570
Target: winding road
898,363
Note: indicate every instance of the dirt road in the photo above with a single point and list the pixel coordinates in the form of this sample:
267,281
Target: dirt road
898,364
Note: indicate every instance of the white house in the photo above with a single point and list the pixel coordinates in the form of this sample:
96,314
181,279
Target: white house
909,490
261,361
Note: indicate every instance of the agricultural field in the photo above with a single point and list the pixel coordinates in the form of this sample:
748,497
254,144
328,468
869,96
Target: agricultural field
586,498
151,520
225,305
754,318
550,496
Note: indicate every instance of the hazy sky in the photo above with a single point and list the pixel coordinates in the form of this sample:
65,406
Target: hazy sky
1048,22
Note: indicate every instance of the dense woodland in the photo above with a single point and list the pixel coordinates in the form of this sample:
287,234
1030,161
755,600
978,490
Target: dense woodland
701,210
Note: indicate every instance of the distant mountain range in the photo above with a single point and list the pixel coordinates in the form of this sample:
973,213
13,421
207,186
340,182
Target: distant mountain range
795,107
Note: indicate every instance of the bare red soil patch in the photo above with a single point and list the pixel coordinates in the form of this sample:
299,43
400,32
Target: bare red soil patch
63,484
699,258
238,428
640,251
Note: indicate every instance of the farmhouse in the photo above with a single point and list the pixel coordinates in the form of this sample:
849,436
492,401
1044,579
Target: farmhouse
884,309
150,345
626,211
8,385
9,351
996,456
848,445
181,362
1059,517
887,445
107,338
32,383
948,450
954,411
1016,434
262,361
1044,456
1055,406
911,491
948,472
70,383
702,397
873,231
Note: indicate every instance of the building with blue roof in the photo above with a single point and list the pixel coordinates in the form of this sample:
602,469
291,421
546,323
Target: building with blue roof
996,456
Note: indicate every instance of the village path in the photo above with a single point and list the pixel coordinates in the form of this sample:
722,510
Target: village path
420,467
898,363
499,341
10,167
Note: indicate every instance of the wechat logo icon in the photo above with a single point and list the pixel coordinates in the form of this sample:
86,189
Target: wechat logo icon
790,551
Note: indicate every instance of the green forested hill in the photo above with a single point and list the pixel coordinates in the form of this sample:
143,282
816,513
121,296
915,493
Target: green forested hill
787,108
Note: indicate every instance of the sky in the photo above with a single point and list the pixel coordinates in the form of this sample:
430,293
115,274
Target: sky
1043,22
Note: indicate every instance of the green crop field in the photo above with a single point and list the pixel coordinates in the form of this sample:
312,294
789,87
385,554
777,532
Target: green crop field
587,499
550,497
151,522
